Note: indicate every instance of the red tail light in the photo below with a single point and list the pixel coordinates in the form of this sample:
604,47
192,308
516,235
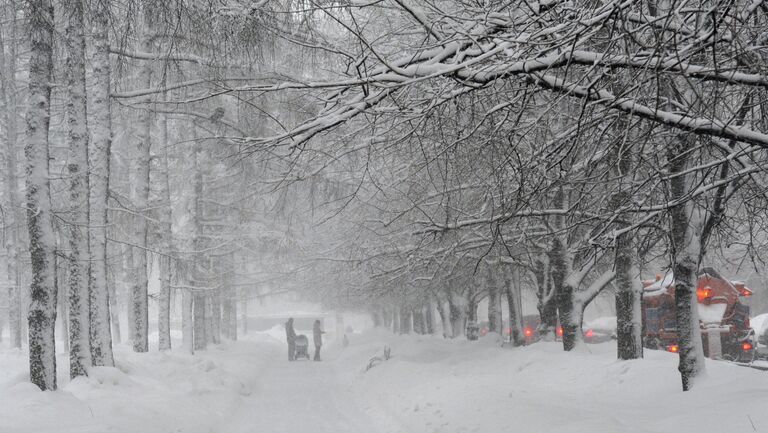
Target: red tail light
704,293
674,348
560,331
528,332
746,346
590,333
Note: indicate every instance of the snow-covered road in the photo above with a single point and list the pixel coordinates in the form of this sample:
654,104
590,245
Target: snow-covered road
302,396
430,385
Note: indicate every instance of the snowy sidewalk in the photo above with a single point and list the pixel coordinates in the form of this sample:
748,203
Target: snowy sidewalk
301,397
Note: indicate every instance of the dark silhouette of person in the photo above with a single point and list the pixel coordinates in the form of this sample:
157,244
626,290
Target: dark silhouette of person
290,336
317,334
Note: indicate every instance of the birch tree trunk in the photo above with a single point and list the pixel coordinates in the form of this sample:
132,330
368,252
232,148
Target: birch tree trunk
187,325
114,311
99,150
41,317
77,137
199,321
14,217
164,300
244,313
233,319
684,251
226,318
140,199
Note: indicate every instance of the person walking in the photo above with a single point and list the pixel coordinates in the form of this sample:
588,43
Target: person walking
290,336
317,333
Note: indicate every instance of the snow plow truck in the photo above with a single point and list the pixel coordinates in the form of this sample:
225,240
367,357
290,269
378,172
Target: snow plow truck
723,318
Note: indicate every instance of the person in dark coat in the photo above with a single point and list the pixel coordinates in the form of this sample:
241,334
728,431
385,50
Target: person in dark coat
290,335
317,333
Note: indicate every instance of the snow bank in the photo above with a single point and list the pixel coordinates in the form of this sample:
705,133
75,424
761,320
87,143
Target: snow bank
144,393
436,385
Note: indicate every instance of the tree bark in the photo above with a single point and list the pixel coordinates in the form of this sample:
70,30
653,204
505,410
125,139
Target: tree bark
418,320
41,317
684,252
512,292
100,147
164,299
13,218
546,304
187,321
429,318
457,308
226,318
405,320
140,199
77,137
495,321
114,311
199,321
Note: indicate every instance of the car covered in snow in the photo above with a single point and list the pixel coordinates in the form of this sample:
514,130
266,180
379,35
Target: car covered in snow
760,324
599,330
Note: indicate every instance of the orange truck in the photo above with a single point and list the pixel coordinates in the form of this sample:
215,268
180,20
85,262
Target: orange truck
724,319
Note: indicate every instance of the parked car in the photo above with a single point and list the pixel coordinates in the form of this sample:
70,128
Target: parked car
599,330
760,324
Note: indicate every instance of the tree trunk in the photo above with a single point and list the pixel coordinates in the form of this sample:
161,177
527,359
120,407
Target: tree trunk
164,304
77,138
563,291
41,317
63,318
244,315
209,325
457,307
199,321
187,321
99,151
546,304
429,318
418,321
14,217
164,299
217,322
139,301
684,251
233,319
628,302
512,291
443,310
375,317
114,312
226,318
495,320
405,321
395,320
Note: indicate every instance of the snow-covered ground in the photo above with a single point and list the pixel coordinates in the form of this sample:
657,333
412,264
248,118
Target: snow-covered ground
429,385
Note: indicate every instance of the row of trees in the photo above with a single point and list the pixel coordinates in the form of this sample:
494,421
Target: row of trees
132,173
477,150
483,147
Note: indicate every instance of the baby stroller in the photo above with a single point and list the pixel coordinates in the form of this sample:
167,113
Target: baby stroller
302,346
